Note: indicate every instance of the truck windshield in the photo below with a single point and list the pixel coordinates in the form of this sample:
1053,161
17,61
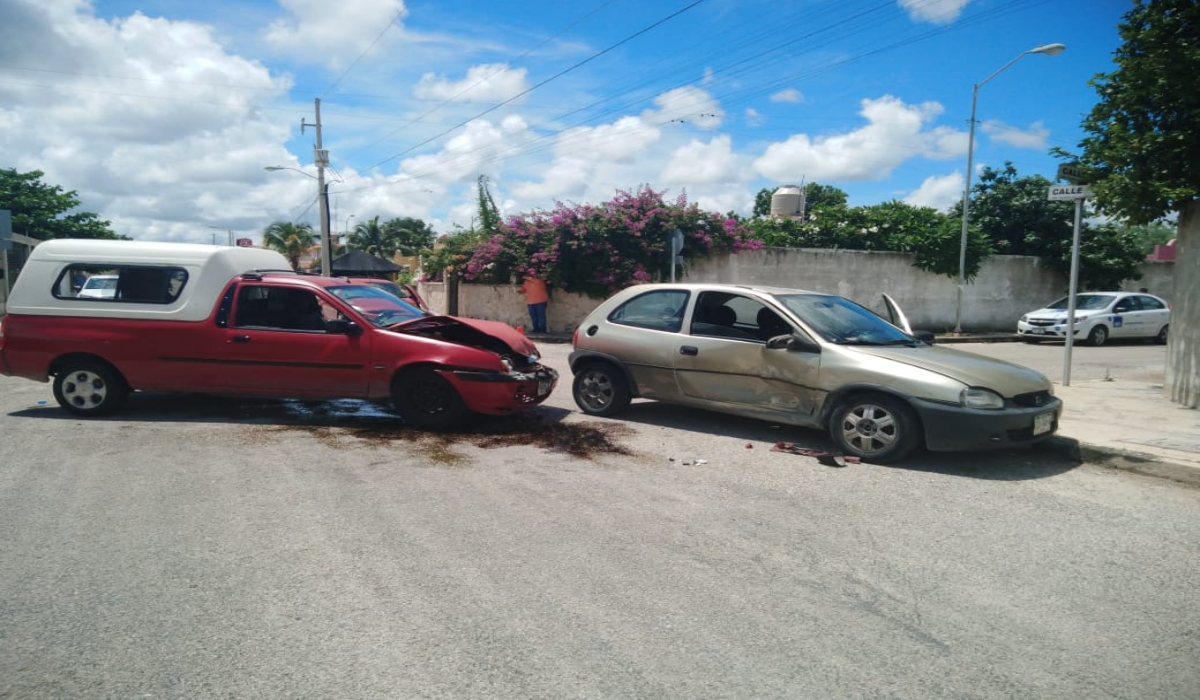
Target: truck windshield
380,308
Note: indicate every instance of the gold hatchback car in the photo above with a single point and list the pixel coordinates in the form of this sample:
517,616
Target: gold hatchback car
808,359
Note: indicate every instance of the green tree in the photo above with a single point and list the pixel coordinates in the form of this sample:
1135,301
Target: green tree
1141,151
1016,216
291,240
44,211
373,238
411,236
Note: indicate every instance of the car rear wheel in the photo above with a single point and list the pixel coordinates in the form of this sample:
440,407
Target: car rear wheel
600,389
1161,338
427,400
88,388
875,428
1098,336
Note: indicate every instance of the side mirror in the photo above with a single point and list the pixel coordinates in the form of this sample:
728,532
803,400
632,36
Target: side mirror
794,342
344,327
925,336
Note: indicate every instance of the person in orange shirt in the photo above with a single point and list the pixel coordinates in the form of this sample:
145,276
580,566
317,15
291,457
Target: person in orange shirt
536,300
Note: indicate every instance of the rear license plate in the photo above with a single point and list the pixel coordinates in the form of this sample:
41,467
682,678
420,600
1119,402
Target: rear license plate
543,387
1043,422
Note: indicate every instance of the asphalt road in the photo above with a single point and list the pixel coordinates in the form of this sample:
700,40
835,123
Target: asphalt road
196,548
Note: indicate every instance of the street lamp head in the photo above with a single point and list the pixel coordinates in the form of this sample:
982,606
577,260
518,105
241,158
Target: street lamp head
1050,49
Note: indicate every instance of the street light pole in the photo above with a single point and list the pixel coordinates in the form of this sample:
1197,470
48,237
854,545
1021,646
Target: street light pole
1049,50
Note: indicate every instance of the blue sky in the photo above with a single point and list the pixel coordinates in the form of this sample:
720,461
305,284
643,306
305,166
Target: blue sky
162,114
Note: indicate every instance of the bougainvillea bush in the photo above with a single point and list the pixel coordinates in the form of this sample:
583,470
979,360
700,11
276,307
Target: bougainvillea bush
598,249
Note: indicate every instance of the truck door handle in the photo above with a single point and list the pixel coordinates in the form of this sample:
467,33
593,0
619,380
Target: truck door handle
241,339
689,350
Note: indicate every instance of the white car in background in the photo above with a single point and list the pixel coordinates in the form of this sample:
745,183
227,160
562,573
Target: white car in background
1100,316
99,287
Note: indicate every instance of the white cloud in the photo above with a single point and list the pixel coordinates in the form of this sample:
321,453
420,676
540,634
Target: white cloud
895,132
465,155
698,162
331,33
593,159
485,83
754,117
1036,136
689,105
940,192
791,95
155,126
934,11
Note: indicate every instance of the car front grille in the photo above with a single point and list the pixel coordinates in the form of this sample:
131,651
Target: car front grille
1041,322
1033,399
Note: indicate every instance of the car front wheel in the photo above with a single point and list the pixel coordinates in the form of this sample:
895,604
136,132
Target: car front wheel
875,428
427,400
1098,336
600,389
89,389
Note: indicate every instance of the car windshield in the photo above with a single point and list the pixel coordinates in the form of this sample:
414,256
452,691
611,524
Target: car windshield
377,306
1087,302
390,287
841,321
101,283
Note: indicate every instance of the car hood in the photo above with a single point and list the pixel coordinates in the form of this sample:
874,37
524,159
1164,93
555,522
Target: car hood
493,335
1007,378
1052,313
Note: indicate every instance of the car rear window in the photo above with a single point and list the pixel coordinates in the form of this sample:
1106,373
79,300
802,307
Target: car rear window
131,284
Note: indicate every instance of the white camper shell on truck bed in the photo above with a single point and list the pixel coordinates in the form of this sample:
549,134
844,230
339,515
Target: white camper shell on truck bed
187,278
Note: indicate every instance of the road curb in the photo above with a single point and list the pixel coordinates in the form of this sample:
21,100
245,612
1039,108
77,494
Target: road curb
1125,460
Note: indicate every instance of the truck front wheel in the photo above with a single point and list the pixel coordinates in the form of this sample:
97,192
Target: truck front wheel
426,400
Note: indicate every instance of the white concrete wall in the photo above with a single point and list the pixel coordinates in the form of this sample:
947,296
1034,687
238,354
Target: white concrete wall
1006,287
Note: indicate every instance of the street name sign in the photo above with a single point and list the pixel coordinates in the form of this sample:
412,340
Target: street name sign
1071,173
1058,192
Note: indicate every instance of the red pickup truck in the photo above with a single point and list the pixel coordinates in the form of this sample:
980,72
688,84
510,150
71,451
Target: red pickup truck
225,320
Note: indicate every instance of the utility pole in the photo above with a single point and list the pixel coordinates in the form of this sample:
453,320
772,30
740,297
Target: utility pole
321,159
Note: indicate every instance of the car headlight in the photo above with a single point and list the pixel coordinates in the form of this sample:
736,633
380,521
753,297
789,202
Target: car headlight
974,397
1024,319
508,365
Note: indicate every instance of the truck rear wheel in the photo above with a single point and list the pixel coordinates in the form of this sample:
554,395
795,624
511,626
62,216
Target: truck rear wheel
88,388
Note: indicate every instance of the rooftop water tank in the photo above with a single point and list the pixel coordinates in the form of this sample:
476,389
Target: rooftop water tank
788,201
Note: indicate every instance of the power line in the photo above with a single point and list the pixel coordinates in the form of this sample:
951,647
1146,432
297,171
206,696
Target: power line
561,73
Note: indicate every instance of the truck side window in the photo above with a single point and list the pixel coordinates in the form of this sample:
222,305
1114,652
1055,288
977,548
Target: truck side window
138,284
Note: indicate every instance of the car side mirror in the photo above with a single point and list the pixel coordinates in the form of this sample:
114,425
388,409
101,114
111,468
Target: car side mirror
343,327
925,336
794,342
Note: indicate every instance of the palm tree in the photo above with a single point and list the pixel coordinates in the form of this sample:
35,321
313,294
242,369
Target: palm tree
292,240
373,239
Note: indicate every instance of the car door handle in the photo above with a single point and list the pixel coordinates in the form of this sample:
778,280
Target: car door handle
241,339
689,350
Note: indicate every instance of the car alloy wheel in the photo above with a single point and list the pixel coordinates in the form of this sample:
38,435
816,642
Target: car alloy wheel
875,428
600,389
1098,336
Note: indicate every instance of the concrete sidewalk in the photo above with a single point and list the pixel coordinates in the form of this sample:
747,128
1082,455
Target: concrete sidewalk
1129,425
1122,424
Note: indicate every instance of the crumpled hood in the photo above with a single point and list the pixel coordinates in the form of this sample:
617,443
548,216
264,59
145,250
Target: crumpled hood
502,332
1007,378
